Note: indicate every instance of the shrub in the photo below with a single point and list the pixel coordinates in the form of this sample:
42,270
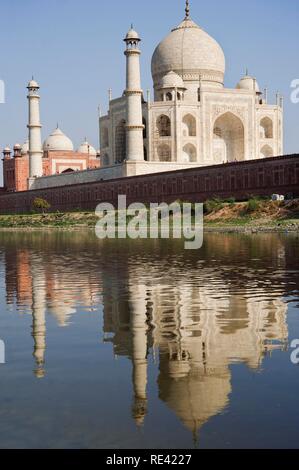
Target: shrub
253,205
41,205
230,200
212,205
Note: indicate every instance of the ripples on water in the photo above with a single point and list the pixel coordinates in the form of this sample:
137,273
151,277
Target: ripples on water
136,344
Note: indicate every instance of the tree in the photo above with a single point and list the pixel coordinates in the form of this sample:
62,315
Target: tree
41,204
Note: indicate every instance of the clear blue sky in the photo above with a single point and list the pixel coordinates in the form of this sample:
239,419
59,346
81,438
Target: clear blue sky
74,49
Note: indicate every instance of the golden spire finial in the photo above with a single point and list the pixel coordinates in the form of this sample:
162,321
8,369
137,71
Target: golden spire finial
187,10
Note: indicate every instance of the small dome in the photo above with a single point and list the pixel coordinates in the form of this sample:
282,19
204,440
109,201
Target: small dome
7,149
248,83
33,84
132,34
17,147
58,141
25,147
85,147
172,80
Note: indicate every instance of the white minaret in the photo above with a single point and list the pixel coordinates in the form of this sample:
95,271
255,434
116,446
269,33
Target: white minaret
133,94
34,126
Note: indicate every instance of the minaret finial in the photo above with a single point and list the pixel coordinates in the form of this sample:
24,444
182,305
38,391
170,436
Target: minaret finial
187,10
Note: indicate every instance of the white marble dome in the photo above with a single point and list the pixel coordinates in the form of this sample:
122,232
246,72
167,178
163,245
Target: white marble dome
190,52
248,83
33,84
58,141
132,34
172,80
85,147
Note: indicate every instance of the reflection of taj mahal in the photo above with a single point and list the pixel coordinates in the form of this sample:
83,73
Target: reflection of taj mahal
193,119
193,333
196,339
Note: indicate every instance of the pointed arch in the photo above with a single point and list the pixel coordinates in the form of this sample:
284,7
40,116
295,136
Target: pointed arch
164,126
120,142
266,151
104,137
266,128
189,126
228,138
189,153
68,170
164,153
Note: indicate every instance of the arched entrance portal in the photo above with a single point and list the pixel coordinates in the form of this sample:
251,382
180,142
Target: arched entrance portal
228,139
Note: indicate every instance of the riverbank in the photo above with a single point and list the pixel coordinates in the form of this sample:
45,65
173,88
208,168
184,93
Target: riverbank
253,216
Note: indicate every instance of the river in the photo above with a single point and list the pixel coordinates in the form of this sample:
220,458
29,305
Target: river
142,344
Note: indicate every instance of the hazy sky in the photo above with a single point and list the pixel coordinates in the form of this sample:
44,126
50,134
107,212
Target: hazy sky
74,49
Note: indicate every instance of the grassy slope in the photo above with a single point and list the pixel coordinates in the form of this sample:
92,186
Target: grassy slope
259,214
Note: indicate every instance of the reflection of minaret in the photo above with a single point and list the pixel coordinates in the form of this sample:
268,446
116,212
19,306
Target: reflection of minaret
139,351
39,316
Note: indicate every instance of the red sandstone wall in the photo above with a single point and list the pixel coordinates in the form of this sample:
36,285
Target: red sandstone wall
21,173
258,177
16,170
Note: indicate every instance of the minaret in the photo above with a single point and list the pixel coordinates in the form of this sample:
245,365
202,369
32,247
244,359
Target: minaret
34,126
133,94
139,328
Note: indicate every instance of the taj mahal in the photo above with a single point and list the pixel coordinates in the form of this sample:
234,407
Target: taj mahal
192,121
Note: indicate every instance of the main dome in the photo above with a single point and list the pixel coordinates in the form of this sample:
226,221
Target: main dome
191,53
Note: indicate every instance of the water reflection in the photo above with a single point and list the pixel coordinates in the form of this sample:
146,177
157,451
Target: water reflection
195,314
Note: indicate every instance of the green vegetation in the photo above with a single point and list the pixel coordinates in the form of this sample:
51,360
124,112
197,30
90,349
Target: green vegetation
41,205
230,200
212,205
253,205
256,213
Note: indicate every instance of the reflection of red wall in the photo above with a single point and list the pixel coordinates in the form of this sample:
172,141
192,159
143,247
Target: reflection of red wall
24,279
256,177
16,170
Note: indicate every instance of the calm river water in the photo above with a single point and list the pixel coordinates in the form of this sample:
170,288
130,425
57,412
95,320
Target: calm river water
125,344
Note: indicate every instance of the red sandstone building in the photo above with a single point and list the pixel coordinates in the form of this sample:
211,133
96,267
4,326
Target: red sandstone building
58,157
